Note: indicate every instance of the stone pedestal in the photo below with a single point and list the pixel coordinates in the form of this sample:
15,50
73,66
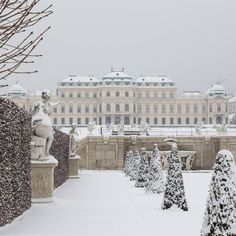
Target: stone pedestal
74,166
42,179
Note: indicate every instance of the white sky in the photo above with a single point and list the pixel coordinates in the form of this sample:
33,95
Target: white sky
191,41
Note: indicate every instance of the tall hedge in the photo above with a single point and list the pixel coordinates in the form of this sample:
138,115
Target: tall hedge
15,181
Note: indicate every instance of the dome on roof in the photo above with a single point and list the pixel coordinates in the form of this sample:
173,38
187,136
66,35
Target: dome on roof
17,90
216,90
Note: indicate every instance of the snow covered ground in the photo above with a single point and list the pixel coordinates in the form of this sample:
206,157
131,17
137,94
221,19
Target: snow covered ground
106,203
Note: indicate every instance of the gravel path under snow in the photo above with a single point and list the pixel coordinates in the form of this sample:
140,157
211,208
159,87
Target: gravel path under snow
106,203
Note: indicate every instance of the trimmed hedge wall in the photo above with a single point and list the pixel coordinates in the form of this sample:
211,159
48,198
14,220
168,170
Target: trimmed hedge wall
15,180
60,150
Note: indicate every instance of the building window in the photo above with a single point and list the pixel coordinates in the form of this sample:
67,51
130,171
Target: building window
203,108
78,120
179,108
187,108
210,108
195,121
108,94
126,120
63,121
195,108
117,107
139,120
187,121
78,95
155,121
163,108
62,95
226,108
78,108
95,120
204,120
163,121
71,120
148,120
108,120
147,108
87,95
218,107
95,95
171,108
108,107
100,108
71,109
95,108
62,108
163,95
117,94
127,94
179,121
86,108
86,120
155,108
55,109
71,95
126,107
210,120
171,120
55,121
134,108
139,108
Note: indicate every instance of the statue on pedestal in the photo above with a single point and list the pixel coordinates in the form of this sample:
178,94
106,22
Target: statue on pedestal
73,141
42,130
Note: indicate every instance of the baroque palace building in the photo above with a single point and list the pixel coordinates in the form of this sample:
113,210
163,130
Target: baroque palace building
119,98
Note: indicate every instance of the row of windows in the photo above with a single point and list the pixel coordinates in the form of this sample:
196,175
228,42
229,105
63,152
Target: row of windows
155,121
119,94
171,108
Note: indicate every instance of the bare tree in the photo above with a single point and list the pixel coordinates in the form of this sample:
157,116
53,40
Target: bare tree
17,40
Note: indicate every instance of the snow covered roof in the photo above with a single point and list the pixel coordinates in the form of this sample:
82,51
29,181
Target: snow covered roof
232,100
216,90
17,90
192,93
161,80
81,79
117,75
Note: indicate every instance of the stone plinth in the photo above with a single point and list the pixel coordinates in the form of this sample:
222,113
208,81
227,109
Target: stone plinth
42,179
74,166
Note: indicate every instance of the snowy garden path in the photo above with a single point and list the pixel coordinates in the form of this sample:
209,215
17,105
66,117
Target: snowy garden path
106,203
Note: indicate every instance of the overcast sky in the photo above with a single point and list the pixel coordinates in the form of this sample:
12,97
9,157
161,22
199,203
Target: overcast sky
192,42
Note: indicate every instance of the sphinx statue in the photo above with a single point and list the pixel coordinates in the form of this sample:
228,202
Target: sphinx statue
42,129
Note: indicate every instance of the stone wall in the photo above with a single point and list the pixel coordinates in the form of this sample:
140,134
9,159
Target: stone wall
95,154
60,150
15,182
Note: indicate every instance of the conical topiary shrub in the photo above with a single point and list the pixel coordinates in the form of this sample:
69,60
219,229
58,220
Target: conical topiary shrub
174,189
155,177
220,214
129,164
142,170
135,166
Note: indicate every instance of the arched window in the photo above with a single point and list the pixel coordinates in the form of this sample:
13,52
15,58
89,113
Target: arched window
187,121
108,108
117,107
126,107
127,120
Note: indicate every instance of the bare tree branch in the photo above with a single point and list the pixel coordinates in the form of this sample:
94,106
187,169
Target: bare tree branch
17,40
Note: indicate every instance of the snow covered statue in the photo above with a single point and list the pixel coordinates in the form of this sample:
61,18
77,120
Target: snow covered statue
42,129
73,144
174,189
155,177
142,170
220,214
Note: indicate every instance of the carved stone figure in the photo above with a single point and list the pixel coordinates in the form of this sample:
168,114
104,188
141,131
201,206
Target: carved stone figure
91,128
73,144
42,130
198,129
105,139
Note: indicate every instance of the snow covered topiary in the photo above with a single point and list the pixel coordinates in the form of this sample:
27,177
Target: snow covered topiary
155,178
135,166
174,189
129,163
142,170
220,214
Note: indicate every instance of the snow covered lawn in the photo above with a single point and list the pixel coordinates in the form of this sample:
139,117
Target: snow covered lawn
106,203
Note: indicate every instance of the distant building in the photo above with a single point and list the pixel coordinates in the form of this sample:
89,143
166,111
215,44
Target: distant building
117,97
232,110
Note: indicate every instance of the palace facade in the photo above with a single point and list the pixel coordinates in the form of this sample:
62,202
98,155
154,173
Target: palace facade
117,97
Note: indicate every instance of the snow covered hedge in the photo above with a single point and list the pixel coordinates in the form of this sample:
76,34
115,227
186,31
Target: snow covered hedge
15,181
60,150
